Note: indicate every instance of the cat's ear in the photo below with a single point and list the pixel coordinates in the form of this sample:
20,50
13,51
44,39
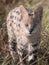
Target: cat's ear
24,12
39,13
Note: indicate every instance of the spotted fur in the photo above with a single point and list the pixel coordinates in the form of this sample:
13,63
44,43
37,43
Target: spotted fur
23,30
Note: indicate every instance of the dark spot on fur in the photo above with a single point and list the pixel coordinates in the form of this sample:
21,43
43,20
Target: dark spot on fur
19,25
11,16
14,23
15,17
10,24
12,20
17,29
17,12
8,20
18,39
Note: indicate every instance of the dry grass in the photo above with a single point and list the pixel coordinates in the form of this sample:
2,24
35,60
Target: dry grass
43,55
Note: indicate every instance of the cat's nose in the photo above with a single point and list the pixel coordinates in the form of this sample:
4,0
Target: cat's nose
31,30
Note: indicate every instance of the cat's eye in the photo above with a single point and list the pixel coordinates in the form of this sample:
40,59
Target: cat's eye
26,25
30,14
